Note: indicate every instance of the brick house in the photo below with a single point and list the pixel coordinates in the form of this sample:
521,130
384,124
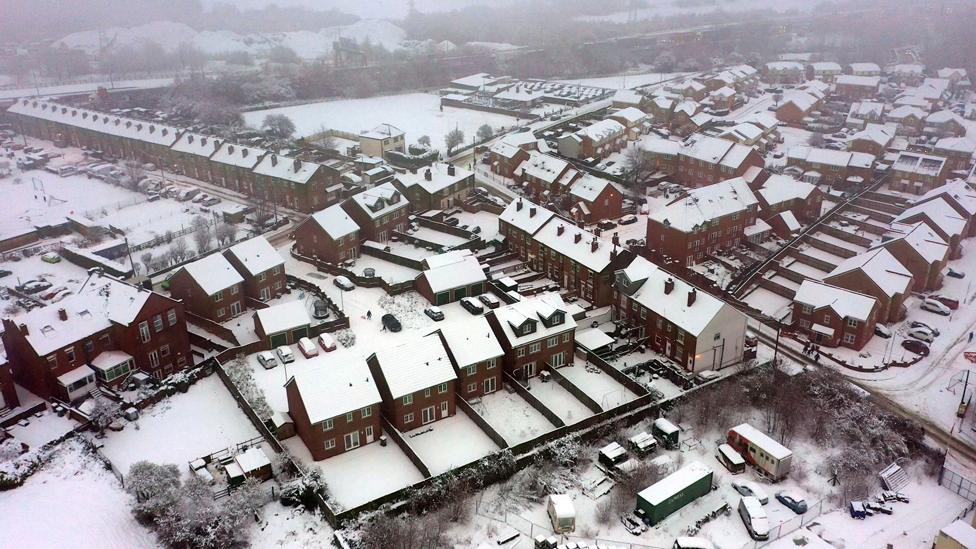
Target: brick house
378,212
436,187
450,276
921,250
783,72
294,183
942,218
505,157
863,113
382,139
209,287
681,121
518,224
876,273
476,355
826,71
909,120
781,193
874,139
702,222
191,155
261,267
959,195
632,119
855,88
708,160
909,74
416,380
688,88
98,336
330,235
543,175
282,324
958,152
865,69
944,123
8,392
841,169
917,173
662,154
660,108
582,263
832,316
232,167
595,199
795,106
598,140
536,334
335,408
694,329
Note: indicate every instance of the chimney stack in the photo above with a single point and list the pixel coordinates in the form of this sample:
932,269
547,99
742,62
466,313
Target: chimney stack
450,169
532,211
594,244
24,330
560,230
518,205
668,285
427,175
692,295
274,160
577,238
597,231
613,252
580,224
298,165
616,239
62,314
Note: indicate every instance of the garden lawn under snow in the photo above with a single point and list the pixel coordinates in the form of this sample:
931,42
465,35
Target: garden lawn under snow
415,113
512,416
450,442
181,428
72,501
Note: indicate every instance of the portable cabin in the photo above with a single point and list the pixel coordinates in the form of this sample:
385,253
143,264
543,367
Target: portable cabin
612,454
666,433
562,513
731,459
769,456
674,491
643,444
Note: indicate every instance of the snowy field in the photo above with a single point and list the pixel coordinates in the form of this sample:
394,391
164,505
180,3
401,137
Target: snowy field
282,526
449,443
674,7
416,114
626,81
512,416
71,502
181,428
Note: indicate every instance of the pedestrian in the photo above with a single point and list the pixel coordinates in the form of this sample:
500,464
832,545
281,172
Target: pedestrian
970,337
369,315
806,347
817,357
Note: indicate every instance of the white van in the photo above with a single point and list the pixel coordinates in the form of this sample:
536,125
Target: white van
562,513
754,517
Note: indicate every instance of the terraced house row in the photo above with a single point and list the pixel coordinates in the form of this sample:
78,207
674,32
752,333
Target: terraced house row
258,173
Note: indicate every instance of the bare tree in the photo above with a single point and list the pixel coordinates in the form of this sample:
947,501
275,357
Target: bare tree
278,126
484,133
202,235
638,168
424,140
103,412
453,139
179,249
225,233
146,258
134,173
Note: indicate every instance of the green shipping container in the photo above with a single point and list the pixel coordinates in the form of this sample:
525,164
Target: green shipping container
675,491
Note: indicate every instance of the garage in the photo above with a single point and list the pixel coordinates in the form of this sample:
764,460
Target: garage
282,324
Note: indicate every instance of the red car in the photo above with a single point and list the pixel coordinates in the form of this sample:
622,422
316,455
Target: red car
947,301
916,347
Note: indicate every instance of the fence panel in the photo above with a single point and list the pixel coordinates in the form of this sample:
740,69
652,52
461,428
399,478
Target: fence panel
958,483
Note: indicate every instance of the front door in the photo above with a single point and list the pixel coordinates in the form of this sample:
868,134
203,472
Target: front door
444,409
369,434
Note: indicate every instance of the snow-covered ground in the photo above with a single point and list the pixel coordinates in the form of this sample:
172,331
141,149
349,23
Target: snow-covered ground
512,416
66,89
41,430
72,501
602,388
668,9
290,527
416,114
450,442
562,403
181,428
626,81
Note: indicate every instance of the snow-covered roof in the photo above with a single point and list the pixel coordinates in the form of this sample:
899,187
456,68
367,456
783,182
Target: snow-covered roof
922,164
830,157
801,99
440,177
674,304
906,69
958,191
471,340
520,94
476,80
904,111
252,459
289,169
784,66
257,255
865,67
213,273
881,267
106,360
588,187
601,131
238,155
544,167
197,144
781,188
525,216
941,117
627,97
579,245
763,441
708,149
744,131
704,204
789,220
845,303
956,144
922,239
825,66
593,338
79,373
876,133
688,107
654,144
335,221
461,270
332,388
943,215
681,479
283,317
854,80
962,533
109,124
504,149
380,200
415,365
382,131
764,119
535,309
631,115
865,109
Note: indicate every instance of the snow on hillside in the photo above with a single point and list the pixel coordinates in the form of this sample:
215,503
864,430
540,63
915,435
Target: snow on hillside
678,7
170,35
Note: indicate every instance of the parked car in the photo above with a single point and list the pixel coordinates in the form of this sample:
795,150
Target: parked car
307,348
35,286
627,219
606,225
920,324
472,305
51,257
200,198
434,313
4,272
857,511
749,488
267,360
881,330
921,334
916,347
936,307
754,517
390,322
453,221
48,294
946,300
955,274
343,283
490,301
327,342
61,295
212,201
793,500
320,309
152,197
284,354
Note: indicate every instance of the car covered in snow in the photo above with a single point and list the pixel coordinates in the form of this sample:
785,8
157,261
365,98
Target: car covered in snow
327,342
749,488
627,219
936,307
793,500
320,309
881,330
435,313
920,324
51,257
921,334
343,283
307,348
472,305
946,300
267,360
490,301
284,354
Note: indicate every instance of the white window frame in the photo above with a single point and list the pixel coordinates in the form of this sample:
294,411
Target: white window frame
144,333
327,425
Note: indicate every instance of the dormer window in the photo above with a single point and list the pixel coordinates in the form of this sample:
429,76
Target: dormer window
527,328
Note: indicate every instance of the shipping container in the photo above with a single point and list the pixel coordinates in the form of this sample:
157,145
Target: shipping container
674,491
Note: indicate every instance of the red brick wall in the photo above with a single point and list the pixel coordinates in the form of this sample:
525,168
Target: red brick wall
662,336
185,289
179,356
482,373
371,229
827,317
7,389
854,93
274,282
397,412
311,240
681,246
315,437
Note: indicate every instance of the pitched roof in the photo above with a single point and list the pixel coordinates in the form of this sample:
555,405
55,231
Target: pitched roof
380,200
854,80
459,270
335,221
575,243
415,365
939,212
471,340
921,238
440,177
238,155
283,317
197,144
881,267
781,188
257,255
588,187
845,303
533,308
525,216
543,167
704,204
289,169
333,388
213,273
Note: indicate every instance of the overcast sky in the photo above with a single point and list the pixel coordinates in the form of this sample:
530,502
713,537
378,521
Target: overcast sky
379,9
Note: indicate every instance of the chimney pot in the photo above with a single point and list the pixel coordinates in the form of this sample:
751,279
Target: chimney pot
518,205
450,169
62,314
594,244
24,330
692,295
274,160
427,175
560,230
532,211
297,164
580,224
668,286
577,238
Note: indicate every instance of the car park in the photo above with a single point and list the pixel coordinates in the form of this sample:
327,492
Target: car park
267,360
307,348
793,500
916,347
284,354
343,283
320,309
936,307
327,342
921,334
391,323
435,313
490,301
472,305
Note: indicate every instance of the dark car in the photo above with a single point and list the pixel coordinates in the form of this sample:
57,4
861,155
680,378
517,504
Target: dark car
916,347
391,323
35,286
435,313
945,300
920,324
4,272
472,306
320,309
452,221
606,225
792,500
955,274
